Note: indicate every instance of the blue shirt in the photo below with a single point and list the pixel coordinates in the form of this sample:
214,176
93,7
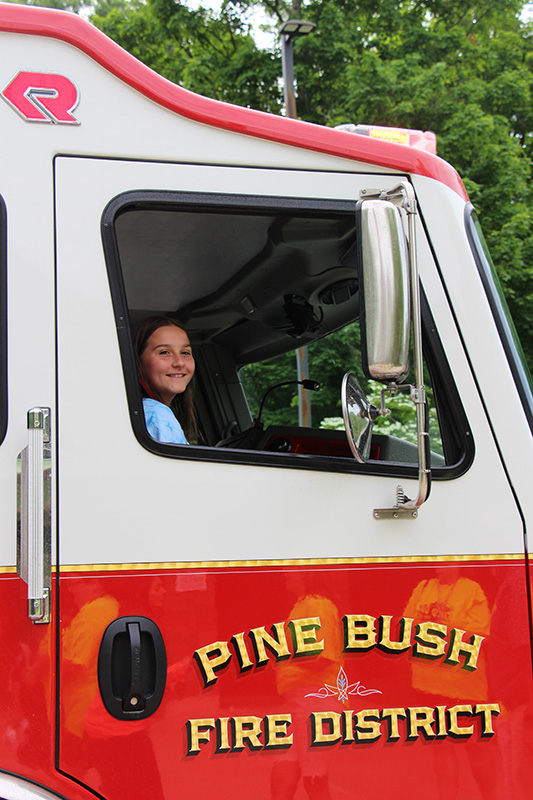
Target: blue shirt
161,423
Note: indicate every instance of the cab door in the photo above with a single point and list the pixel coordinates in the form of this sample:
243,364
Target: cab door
222,623
27,741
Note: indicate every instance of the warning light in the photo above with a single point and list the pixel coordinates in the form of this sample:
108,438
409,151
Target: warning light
422,140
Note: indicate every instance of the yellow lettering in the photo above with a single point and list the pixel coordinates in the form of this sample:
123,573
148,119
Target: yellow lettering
359,632
392,715
211,659
332,733
367,725
430,640
304,636
246,729
421,717
441,722
486,710
454,728
276,730
223,744
348,726
198,731
278,646
385,642
469,649
241,652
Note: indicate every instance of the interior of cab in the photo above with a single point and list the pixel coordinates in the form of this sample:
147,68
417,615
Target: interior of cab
253,280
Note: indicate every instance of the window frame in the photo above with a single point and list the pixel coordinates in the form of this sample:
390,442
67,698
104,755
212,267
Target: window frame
3,321
434,352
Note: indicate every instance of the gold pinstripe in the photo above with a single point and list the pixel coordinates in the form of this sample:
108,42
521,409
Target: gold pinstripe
297,562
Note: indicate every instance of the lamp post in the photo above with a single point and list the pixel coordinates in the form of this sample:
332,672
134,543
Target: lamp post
287,32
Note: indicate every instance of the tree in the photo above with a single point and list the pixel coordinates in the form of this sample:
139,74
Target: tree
209,54
462,70
329,359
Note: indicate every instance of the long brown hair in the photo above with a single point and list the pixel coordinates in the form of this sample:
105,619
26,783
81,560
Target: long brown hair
183,404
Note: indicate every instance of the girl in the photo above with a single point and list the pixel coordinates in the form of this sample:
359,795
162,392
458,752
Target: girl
166,366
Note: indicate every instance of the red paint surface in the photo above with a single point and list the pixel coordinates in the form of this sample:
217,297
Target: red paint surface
28,701
195,608
75,31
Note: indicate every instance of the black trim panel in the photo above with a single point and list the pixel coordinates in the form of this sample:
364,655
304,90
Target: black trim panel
3,320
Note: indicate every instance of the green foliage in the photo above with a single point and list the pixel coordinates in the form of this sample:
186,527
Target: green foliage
328,360
462,70
281,405
210,54
400,420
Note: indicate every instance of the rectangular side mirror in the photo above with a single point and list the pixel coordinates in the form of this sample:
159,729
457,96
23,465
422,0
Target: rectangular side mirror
384,291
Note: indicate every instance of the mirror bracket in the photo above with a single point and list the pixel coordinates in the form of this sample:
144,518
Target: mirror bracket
400,195
397,512
405,508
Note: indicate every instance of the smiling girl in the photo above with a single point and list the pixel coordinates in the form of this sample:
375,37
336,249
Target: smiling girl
166,366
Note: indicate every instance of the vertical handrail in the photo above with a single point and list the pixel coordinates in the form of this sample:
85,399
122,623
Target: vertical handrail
35,513
33,558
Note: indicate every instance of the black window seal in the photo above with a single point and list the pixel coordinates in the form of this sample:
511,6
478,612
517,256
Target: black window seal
501,315
248,203
3,321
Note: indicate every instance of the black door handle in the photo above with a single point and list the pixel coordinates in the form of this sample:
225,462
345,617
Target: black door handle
132,668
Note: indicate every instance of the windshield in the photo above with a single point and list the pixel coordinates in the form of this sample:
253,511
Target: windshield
500,310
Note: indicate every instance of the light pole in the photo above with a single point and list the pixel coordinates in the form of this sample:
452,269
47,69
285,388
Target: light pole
287,32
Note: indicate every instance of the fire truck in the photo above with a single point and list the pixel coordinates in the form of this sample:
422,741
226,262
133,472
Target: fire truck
274,610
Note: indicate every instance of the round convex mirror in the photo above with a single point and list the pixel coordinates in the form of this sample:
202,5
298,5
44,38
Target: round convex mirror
359,416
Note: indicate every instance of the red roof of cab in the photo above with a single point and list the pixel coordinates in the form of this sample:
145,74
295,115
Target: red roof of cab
81,34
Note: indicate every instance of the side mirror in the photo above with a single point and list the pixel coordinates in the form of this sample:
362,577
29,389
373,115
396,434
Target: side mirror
359,416
384,291
388,285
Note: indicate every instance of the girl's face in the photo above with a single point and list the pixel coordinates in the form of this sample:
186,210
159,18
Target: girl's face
167,362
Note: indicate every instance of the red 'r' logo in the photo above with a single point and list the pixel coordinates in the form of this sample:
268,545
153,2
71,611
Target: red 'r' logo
43,97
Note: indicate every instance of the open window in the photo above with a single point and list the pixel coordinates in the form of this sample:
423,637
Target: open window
254,280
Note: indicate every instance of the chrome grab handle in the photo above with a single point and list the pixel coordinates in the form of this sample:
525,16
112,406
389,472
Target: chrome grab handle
34,515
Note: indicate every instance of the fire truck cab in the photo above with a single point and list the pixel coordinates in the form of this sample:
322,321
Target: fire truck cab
277,609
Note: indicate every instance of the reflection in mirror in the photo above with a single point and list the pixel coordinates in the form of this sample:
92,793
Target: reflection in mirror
384,287
359,416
